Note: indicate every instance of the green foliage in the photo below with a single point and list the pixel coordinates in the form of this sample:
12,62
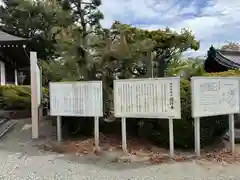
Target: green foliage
56,71
34,20
72,42
225,73
85,13
121,52
17,97
185,68
165,43
133,52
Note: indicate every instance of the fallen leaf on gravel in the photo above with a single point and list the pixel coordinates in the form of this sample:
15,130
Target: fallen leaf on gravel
138,148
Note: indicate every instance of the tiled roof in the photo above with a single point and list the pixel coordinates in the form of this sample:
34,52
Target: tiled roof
230,59
5,37
235,59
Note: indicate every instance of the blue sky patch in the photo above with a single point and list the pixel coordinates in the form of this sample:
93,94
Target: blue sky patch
213,22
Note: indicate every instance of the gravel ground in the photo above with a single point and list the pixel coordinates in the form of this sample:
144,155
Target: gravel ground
16,166
20,161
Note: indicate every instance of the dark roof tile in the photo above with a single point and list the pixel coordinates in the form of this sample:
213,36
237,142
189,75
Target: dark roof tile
5,37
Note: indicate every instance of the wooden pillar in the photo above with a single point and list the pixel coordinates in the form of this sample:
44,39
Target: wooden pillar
16,76
3,73
34,95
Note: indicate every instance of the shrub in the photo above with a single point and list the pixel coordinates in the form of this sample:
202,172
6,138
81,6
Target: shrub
225,73
17,97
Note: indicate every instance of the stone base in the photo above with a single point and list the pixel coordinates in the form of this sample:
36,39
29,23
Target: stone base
5,127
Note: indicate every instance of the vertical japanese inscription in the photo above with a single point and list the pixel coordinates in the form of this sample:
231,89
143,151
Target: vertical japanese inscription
171,95
76,99
147,98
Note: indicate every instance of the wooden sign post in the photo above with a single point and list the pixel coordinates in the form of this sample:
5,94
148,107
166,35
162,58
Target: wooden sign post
147,98
80,99
213,96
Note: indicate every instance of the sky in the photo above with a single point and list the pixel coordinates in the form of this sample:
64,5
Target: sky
213,22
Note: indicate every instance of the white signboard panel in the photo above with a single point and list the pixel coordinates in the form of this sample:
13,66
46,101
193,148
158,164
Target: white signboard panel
149,98
213,96
76,99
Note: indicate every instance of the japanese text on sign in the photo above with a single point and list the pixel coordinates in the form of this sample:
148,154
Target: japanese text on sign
76,99
150,98
214,96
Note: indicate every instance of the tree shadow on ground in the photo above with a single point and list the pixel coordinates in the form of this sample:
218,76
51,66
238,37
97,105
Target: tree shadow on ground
19,141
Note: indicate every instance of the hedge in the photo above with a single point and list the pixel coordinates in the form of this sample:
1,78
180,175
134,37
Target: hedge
17,97
225,73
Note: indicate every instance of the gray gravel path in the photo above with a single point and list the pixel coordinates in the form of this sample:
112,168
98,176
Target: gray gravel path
16,166
20,161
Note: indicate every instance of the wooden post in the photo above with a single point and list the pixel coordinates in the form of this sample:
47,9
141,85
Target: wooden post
34,99
124,135
232,133
171,138
197,136
15,76
2,73
96,132
59,128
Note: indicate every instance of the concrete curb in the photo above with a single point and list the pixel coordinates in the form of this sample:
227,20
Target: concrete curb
11,125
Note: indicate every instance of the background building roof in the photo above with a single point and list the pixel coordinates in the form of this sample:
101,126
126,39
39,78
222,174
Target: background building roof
5,37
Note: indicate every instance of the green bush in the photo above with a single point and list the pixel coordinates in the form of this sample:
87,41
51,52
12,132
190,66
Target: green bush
225,73
17,97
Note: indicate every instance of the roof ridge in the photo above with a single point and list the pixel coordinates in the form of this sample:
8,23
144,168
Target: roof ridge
229,51
5,37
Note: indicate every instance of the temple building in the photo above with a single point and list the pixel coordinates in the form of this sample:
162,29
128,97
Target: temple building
14,60
222,60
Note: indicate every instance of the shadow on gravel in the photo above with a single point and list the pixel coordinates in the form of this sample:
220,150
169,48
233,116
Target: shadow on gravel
102,162
18,140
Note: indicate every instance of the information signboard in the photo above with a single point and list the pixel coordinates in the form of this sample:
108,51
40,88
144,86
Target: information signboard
212,96
149,98
82,98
